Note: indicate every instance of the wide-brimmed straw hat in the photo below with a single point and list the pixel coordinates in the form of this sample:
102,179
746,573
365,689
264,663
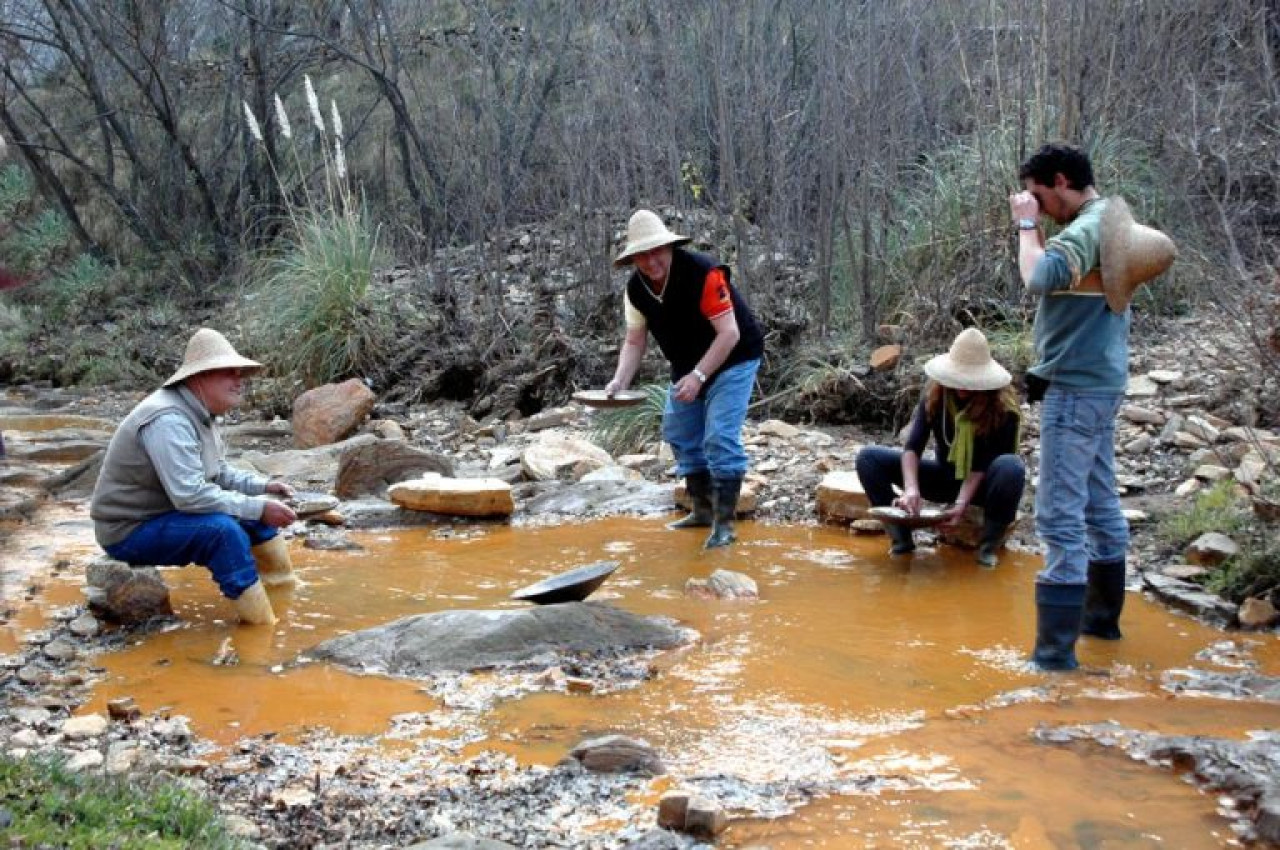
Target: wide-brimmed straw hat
1132,254
208,350
645,231
968,365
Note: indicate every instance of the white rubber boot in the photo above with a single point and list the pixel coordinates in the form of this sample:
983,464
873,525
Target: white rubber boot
275,567
253,607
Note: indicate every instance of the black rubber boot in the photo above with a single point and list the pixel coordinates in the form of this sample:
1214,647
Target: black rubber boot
1058,611
724,502
698,486
1104,600
901,538
992,539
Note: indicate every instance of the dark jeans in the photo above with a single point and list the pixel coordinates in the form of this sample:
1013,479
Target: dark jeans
217,541
880,468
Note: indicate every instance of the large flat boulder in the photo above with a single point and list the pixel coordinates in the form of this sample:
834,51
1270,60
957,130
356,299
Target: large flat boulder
840,497
474,497
455,641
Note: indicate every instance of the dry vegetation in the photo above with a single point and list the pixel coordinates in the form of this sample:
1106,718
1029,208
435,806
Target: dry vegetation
852,160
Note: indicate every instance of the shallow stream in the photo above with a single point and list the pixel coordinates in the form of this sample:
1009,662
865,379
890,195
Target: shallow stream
899,684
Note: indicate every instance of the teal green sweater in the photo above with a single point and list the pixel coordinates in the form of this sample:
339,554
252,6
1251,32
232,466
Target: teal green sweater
1080,343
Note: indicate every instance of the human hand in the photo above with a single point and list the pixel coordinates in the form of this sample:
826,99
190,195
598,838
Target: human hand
687,388
614,387
280,488
953,514
1024,205
277,514
909,501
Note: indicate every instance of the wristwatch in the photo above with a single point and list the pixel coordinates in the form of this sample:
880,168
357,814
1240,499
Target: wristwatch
699,374
1026,224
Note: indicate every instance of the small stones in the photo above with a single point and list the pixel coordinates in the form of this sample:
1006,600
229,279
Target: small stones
88,726
689,812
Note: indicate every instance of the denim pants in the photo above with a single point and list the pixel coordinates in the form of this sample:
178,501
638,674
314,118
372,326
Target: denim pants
1078,514
706,433
217,541
998,494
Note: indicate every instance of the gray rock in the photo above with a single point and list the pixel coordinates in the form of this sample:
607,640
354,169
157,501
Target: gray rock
618,754
368,469
660,839
1266,819
1211,549
595,498
378,513
468,640
120,593
460,841
1191,598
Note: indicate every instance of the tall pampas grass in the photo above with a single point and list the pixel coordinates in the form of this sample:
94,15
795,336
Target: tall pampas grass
313,303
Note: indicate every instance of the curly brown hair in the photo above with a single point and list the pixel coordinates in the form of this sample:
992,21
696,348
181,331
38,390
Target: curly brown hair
986,408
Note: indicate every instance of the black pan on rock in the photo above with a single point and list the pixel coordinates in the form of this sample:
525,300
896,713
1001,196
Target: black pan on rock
572,586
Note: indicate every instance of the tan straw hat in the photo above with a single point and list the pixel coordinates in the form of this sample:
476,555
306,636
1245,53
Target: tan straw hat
645,231
208,350
968,365
1132,254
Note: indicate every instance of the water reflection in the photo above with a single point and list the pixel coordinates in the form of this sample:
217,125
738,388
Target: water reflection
899,686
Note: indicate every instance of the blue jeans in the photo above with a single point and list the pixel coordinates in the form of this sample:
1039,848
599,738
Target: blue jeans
706,433
217,541
998,494
1078,514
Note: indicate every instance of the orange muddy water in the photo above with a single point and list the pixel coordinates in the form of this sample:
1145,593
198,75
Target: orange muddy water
900,683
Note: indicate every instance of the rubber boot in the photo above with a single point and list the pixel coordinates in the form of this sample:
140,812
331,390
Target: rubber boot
253,607
724,503
1058,611
275,567
698,486
1104,600
989,545
904,542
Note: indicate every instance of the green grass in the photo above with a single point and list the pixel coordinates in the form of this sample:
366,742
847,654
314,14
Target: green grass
314,308
623,430
1217,509
1255,571
15,190
52,807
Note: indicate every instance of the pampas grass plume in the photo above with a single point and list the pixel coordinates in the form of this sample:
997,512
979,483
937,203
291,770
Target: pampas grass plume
337,119
339,159
252,121
282,118
313,103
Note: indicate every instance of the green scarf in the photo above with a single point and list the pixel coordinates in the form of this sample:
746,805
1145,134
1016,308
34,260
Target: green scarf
961,453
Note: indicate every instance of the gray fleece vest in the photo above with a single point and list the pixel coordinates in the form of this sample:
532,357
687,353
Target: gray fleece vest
128,491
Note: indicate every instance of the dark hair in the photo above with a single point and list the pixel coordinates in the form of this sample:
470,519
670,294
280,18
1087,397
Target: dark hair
1055,158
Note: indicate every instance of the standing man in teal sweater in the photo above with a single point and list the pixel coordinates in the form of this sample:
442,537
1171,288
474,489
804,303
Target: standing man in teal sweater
1085,277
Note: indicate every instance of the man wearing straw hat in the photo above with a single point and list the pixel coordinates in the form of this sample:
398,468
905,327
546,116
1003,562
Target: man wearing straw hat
1085,277
713,343
166,495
